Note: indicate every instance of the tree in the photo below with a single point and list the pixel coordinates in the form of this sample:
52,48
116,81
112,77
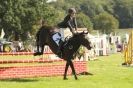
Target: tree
14,16
91,8
19,16
83,21
105,22
124,13
9,20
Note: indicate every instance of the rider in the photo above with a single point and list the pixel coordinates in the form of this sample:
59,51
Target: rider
70,22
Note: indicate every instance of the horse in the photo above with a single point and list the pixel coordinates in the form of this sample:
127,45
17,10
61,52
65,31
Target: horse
69,47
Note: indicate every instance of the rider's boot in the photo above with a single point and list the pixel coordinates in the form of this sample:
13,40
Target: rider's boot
59,51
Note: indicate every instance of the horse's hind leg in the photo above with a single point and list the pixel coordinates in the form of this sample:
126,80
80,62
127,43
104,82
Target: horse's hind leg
42,49
73,69
66,68
39,53
38,48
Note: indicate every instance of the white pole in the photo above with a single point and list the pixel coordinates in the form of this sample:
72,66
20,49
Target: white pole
2,33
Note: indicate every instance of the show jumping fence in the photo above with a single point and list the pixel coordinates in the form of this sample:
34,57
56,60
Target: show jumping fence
23,68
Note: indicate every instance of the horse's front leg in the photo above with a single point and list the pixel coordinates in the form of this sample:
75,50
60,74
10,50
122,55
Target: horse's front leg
73,69
66,68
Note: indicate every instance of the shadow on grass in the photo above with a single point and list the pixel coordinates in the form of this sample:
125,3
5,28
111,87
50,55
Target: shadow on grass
19,80
86,73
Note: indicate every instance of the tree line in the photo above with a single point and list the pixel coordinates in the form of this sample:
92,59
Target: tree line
19,17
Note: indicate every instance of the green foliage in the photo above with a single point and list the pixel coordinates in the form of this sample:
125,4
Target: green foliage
19,16
91,8
105,22
83,21
123,10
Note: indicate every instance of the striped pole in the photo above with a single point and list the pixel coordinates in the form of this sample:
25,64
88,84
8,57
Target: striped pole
128,51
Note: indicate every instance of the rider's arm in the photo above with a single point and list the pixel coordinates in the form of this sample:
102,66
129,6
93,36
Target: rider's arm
70,27
75,23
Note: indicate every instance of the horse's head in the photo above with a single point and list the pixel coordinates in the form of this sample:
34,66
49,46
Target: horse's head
83,39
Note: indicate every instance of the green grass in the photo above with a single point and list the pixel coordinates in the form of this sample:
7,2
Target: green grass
107,73
19,57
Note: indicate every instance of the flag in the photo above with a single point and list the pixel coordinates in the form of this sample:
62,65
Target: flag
2,33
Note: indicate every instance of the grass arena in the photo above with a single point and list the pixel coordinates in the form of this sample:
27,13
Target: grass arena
106,72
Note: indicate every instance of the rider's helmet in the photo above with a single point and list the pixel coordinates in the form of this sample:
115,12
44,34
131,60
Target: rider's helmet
71,10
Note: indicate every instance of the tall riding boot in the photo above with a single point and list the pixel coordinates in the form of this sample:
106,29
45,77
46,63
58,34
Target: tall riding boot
60,50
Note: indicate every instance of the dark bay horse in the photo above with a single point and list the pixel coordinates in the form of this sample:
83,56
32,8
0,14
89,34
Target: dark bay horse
70,47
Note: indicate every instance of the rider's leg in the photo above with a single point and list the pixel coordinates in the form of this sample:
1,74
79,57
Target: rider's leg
61,45
60,50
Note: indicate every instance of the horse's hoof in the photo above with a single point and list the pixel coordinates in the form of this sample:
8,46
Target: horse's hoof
124,63
40,53
37,53
65,78
76,78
